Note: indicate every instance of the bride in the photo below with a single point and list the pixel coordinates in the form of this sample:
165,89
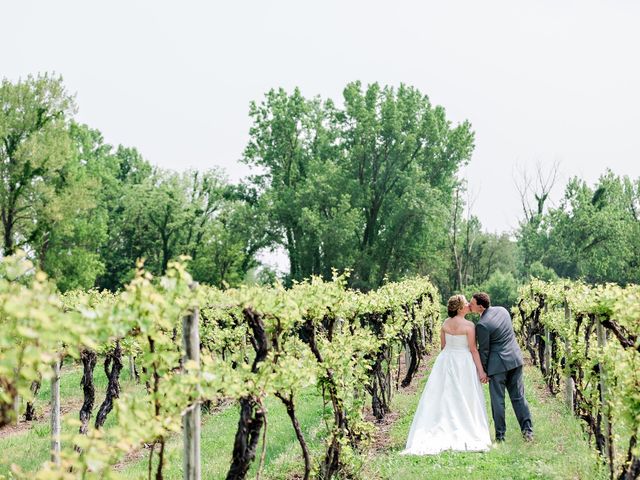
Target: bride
452,414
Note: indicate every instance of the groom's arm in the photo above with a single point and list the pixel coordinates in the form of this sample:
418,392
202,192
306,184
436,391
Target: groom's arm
482,335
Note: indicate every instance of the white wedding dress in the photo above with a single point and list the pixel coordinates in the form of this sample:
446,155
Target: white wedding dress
451,414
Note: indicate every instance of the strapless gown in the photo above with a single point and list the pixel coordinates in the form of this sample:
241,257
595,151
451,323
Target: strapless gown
452,413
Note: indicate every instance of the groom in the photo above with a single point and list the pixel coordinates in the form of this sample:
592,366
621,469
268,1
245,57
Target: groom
502,360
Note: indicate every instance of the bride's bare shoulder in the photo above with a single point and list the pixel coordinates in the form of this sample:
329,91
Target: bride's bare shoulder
469,325
446,325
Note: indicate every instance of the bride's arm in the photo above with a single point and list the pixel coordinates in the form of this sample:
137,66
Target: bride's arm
443,340
471,337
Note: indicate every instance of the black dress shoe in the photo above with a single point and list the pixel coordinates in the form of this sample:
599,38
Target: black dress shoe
499,439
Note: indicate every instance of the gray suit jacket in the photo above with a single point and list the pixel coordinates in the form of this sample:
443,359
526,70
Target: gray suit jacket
497,345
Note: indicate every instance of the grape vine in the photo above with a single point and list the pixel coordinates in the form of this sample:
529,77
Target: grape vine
590,336
255,342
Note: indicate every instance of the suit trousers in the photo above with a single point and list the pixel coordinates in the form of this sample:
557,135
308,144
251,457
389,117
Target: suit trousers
511,380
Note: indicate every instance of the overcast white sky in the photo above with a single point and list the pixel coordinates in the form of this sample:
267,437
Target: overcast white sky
540,81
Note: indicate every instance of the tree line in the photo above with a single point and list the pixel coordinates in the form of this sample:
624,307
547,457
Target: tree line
590,234
371,186
84,211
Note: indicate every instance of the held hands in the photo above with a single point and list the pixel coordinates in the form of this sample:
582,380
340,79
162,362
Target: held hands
483,377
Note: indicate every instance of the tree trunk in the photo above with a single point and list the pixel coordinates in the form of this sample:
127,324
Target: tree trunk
30,412
159,475
251,413
7,223
378,389
415,360
289,404
331,463
7,411
112,367
632,471
89,359
246,440
165,256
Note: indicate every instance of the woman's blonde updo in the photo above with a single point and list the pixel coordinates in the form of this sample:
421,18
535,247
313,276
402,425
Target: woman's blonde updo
455,303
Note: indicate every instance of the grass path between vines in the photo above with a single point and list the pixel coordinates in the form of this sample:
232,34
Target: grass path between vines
27,444
218,431
560,449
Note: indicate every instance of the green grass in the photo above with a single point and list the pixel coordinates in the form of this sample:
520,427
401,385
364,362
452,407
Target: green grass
560,449
30,448
218,431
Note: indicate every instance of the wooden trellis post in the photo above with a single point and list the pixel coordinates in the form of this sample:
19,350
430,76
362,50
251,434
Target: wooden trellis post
547,345
191,419
569,385
55,413
602,343
16,406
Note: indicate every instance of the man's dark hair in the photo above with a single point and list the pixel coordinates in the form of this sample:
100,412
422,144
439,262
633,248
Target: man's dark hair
482,299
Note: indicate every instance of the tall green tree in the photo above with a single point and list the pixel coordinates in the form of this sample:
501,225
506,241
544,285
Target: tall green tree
34,150
157,210
535,196
85,212
229,245
502,288
196,214
302,186
94,250
366,187
594,232
120,172
403,154
70,227
476,255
